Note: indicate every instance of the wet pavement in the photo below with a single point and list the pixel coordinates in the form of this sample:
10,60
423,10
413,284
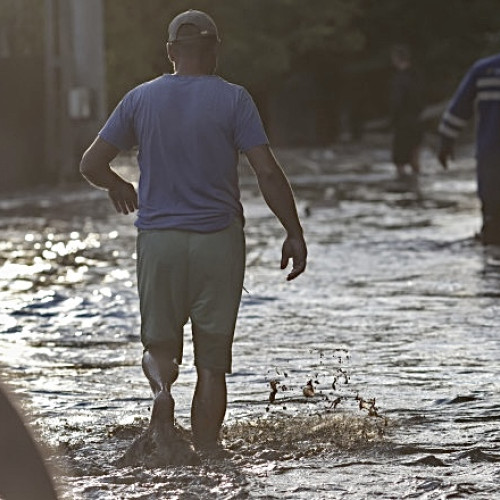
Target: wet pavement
394,326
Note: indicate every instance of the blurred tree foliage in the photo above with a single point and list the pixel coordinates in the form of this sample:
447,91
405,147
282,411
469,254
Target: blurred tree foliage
343,44
262,39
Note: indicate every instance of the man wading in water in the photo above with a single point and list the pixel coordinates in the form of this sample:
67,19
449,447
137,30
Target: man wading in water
189,127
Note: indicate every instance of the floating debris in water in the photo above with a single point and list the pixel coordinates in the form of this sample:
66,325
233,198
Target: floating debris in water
308,389
319,393
368,405
274,390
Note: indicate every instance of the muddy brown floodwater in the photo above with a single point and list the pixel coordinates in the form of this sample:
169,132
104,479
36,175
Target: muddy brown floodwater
393,331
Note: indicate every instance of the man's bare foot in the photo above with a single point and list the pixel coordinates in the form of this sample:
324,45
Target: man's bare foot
162,443
162,415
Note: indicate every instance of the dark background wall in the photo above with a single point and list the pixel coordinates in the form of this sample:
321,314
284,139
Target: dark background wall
52,88
22,121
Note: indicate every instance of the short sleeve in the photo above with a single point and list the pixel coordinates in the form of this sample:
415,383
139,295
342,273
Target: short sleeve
119,128
249,130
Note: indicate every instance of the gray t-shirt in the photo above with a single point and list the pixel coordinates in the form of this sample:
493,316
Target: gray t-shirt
189,130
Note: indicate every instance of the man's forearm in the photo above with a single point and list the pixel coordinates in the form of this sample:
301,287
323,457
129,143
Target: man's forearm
102,177
279,197
95,167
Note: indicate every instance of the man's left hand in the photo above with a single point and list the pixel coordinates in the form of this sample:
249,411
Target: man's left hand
295,249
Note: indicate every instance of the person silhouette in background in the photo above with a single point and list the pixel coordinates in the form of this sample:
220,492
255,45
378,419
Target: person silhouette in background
189,127
478,92
23,472
407,102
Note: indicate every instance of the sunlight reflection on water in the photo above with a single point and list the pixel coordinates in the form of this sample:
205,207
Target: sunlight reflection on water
398,307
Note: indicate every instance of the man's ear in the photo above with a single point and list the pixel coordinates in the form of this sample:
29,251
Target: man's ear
171,52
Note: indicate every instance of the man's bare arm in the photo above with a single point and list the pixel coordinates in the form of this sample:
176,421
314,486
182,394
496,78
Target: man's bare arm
95,168
278,195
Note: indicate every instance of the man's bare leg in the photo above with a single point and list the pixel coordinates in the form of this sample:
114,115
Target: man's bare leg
162,371
208,408
163,442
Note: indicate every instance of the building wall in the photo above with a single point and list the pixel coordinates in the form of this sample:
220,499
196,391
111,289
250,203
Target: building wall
21,122
74,80
52,88
21,93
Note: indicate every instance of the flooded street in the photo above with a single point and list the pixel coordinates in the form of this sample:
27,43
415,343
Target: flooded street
395,324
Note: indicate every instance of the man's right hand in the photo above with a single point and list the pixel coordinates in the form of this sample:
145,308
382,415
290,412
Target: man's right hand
124,197
96,169
445,152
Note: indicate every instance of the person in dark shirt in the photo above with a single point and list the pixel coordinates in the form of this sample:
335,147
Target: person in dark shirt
406,108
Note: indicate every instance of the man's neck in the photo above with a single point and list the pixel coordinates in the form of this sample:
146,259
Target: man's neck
192,70
192,73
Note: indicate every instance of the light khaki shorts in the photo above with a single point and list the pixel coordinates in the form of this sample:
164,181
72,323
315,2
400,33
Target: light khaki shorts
182,275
